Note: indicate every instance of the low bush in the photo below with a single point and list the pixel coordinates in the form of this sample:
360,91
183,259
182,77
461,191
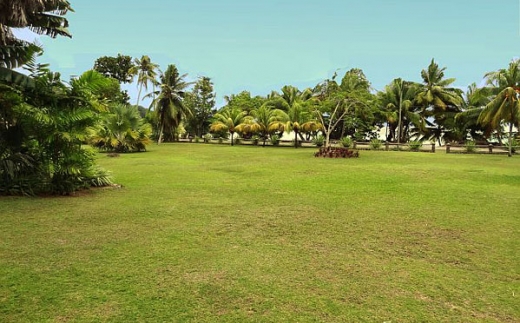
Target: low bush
415,145
346,142
255,139
470,146
336,152
319,140
275,140
375,144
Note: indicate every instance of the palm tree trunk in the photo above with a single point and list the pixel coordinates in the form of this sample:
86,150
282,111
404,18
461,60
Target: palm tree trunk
231,138
510,140
296,139
139,95
160,133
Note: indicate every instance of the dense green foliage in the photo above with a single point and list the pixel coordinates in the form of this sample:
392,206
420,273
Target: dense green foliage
119,68
201,102
121,130
42,127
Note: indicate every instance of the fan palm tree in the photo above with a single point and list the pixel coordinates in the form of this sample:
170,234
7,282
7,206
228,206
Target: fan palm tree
505,106
121,130
42,17
146,72
169,101
437,99
231,120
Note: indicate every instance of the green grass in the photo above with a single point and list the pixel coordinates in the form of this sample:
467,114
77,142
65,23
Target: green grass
211,233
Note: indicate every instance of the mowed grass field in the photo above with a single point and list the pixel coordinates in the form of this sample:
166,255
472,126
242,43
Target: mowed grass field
212,233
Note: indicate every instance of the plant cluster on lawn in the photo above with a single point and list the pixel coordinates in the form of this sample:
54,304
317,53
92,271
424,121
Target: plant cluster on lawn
336,152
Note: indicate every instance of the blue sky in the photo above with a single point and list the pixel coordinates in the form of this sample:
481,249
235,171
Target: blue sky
262,45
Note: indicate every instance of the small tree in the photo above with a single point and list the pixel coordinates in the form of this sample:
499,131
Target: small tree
119,68
201,101
230,120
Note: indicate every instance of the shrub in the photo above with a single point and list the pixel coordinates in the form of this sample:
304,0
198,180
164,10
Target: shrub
120,130
255,139
197,139
346,142
238,141
220,140
336,152
319,140
375,144
415,145
275,140
207,138
470,146
515,145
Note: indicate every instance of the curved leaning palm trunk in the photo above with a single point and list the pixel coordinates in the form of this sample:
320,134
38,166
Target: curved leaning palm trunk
146,72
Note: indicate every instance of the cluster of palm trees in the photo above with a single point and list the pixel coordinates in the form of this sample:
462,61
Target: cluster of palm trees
329,109
430,110
436,110
288,111
168,92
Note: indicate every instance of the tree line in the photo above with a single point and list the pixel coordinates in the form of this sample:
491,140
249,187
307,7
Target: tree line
431,110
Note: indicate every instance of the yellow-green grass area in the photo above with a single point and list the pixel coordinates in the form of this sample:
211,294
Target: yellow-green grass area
212,233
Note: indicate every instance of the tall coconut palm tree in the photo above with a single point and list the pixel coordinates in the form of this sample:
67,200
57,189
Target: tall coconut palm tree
231,120
288,97
505,106
169,101
146,72
42,17
475,100
398,102
437,98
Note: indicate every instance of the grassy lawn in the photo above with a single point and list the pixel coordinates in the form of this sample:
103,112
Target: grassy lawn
211,233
